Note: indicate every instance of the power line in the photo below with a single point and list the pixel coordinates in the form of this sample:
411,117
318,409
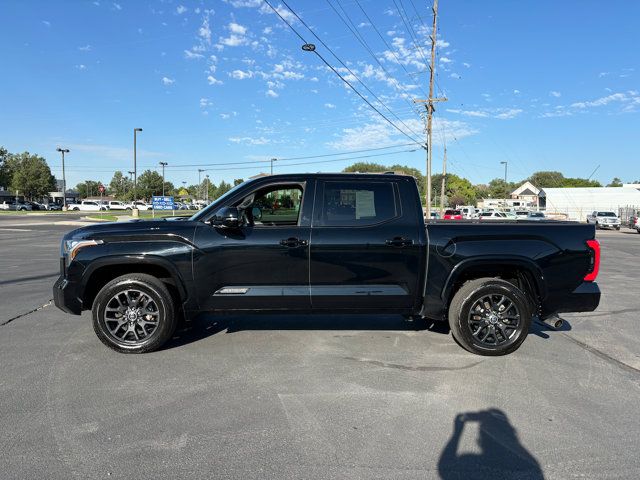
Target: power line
411,33
335,71
347,68
307,163
384,40
353,29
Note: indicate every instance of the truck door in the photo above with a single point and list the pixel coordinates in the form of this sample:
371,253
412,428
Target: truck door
365,247
264,263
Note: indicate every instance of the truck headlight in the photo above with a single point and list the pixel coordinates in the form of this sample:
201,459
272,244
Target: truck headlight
71,248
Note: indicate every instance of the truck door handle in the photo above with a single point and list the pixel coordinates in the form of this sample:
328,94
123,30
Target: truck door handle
293,242
399,242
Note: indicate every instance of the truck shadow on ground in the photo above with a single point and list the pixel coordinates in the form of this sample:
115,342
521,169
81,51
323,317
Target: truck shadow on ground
501,454
206,325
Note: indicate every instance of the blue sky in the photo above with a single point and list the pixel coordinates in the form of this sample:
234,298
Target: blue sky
543,85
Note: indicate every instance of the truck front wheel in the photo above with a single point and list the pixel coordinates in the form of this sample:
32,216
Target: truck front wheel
490,316
134,314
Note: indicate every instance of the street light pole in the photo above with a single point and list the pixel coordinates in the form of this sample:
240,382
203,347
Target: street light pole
64,180
272,160
164,164
135,167
200,170
207,191
505,180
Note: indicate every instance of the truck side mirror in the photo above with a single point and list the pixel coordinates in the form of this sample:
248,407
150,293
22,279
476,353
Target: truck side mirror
228,217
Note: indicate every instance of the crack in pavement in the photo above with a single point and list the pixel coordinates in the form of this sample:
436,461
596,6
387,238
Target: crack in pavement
27,313
412,368
606,357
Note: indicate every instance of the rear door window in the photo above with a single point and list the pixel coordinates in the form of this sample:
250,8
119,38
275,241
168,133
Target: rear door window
357,203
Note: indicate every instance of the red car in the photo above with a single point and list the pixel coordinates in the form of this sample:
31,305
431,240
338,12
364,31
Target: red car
452,215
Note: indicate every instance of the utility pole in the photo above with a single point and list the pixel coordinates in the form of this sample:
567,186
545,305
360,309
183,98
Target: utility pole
207,190
164,164
444,175
505,171
272,160
135,168
429,105
64,180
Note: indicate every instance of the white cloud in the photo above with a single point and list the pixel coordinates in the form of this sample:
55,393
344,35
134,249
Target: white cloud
241,75
237,28
499,113
516,92
364,24
46,23
85,48
117,6
180,9
250,140
246,3
224,116
272,93
267,30
190,55
614,97
213,81
81,67
455,75
553,93
205,102
381,133
329,105
466,65
445,60
204,31
166,81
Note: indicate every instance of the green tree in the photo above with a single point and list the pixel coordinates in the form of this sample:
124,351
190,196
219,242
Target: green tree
30,175
120,186
5,173
547,179
149,184
616,182
220,190
366,167
237,181
89,188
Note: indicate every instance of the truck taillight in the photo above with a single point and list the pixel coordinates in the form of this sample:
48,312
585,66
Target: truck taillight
594,246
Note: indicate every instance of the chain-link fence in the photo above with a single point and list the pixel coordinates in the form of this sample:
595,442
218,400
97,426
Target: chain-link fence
628,213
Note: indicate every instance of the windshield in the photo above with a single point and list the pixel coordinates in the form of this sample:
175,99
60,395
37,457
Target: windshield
214,205
606,214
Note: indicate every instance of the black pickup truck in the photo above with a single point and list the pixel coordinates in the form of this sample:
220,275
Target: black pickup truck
338,243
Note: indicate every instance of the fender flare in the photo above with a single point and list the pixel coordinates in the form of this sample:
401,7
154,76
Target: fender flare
492,260
137,259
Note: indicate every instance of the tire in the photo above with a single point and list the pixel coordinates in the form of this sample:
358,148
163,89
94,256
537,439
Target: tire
75,209
158,317
507,333
618,228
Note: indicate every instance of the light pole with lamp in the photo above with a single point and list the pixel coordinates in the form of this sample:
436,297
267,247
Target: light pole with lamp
135,167
164,164
64,180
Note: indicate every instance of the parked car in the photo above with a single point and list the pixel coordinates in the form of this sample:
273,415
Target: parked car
139,205
86,206
494,215
522,214
604,219
536,216
12,205
348,243
116,205
53,206
35,205
452,215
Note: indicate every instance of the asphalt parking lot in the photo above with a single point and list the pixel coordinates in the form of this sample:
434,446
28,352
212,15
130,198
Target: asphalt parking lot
313,397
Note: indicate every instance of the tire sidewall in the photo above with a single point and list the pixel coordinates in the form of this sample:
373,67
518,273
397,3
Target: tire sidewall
157,338
463,333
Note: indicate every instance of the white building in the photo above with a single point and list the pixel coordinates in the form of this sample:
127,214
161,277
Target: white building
527,192
577,203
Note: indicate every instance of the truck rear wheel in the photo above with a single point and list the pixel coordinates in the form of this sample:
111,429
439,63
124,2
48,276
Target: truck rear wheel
134,314
490,316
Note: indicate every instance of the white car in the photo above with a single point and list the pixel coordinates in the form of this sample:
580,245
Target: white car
116,205
12,205
87,206
604,219
140,205
494,216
